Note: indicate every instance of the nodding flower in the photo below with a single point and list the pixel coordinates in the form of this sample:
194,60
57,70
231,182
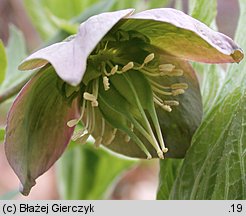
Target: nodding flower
125,78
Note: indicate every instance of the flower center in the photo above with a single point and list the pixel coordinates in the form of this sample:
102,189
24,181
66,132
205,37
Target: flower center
126,92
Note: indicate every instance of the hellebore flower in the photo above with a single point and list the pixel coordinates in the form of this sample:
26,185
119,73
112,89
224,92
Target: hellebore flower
126,78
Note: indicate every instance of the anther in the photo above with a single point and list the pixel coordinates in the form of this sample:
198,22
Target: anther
91,97
149,58
94,103
163,106
179,86
165,150
149,157
127,67
160,154
114,70
175,72
178,92
166,108
171,103
73,122
166,67
106,83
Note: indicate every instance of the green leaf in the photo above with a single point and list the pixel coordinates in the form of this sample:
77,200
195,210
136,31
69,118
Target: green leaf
67,9
157,3
16,52
102,6
63,24
88,173
214,167
203,10
35,9
212,80
74,10
31,148
169,170
3,62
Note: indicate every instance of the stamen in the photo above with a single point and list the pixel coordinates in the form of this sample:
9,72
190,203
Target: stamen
160,154
127,67
92,120
165,150
114,70
178,92
111,138
163,106
171,103
79,133
179,86
161,91
90,97
98,141
166,67
149,58
105,71
106,83
74,122
127,138
83,139
175,72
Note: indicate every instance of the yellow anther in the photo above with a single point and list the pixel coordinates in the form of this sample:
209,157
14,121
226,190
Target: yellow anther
149,58
171,103
94,103
91,97
149,157
165,150
166,107
114,70
163,106
177,72
106,83
160,154
178,92
127,67
179,86
73,122
166,67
